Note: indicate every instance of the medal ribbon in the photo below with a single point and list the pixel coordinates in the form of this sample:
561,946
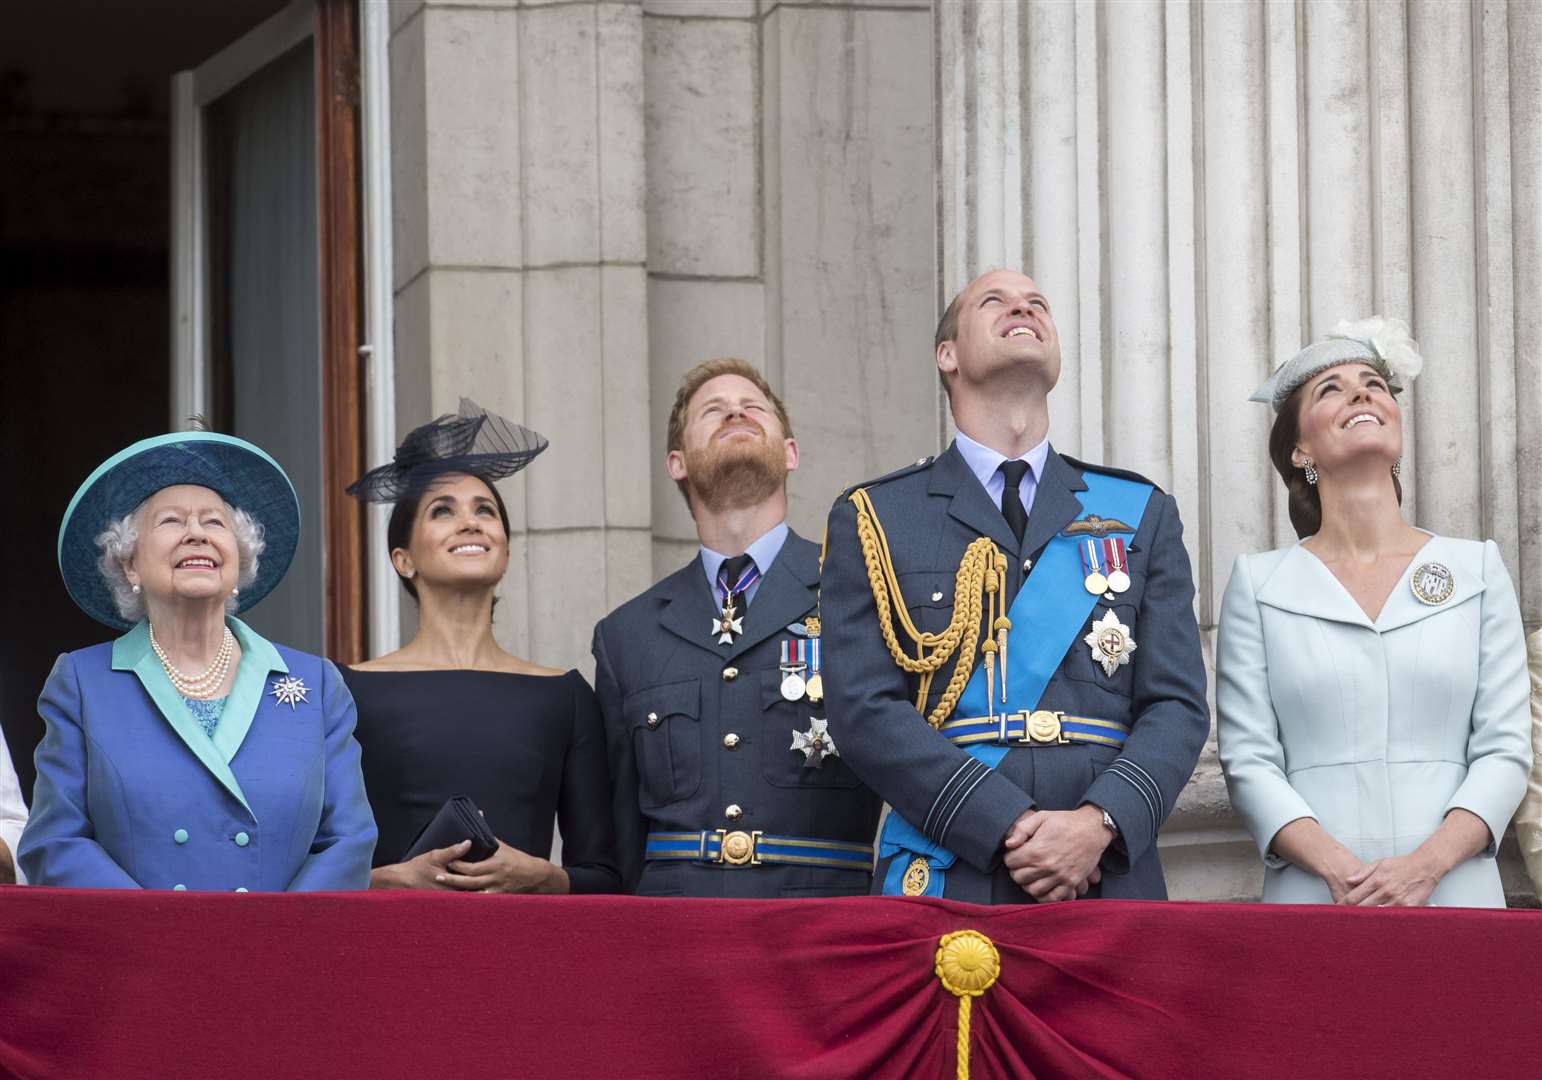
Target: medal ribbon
741,587
1113,554
1091,562
1047,615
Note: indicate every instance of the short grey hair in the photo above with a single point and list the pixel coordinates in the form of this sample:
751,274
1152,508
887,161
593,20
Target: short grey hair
118,540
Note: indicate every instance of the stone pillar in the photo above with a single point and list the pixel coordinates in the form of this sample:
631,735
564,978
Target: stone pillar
1202,188
519,242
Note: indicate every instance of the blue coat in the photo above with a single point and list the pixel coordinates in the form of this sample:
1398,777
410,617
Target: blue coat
131,793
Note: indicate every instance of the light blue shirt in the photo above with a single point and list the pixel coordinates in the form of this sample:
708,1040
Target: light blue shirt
764,551
985,463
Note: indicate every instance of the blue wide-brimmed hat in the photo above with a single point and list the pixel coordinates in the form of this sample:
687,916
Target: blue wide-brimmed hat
239,472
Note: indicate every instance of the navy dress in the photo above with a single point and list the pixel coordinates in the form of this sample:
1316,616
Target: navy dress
527,749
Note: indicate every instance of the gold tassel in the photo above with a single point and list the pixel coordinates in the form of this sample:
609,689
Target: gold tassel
968,965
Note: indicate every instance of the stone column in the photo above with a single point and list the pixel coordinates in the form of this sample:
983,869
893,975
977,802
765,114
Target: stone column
1202,188
519,241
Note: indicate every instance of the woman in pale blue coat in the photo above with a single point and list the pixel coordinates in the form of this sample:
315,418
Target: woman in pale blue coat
1371,678
191,753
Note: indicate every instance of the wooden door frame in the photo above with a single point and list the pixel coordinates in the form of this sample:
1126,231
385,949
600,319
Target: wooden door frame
345,618
333,25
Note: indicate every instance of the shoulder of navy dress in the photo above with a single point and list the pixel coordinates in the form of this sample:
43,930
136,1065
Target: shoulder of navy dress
918,466
1108,470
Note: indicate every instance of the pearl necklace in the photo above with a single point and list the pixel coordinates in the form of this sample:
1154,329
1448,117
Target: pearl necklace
208,682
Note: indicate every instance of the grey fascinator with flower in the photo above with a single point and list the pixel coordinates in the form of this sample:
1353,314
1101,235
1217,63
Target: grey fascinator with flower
1385,344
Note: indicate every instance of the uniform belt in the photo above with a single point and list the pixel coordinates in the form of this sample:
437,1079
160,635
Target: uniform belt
1042,727
757,848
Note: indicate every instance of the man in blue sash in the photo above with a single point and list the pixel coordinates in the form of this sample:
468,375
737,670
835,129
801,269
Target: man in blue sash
1014,663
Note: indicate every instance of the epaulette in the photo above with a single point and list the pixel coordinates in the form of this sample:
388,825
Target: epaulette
914,467
1109,470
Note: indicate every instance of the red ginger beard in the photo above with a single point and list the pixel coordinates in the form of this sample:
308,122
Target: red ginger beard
734,474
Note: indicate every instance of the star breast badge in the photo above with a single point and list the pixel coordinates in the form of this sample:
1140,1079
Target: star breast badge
1110,642
815,743
290,691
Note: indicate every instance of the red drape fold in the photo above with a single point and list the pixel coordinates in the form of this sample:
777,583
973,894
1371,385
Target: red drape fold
412,984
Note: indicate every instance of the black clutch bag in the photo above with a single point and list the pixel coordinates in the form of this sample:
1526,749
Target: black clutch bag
457,820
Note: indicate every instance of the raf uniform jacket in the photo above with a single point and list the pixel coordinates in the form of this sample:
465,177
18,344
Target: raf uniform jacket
131,793
931,512
693,727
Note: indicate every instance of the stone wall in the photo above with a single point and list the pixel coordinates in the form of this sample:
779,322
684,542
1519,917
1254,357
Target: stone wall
1201,188
591,196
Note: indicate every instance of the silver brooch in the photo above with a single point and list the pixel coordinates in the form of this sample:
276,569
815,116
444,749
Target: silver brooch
815,743
290,691
1432,583
1111,642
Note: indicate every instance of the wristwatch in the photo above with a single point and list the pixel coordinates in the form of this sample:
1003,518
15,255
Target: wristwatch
1108,823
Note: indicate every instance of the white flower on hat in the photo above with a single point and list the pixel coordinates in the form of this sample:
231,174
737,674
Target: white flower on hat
1389,339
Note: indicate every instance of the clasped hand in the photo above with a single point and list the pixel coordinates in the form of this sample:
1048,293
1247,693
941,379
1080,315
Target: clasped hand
1396,881
1053,854
506,870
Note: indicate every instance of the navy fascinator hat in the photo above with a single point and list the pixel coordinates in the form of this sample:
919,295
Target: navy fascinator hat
472,441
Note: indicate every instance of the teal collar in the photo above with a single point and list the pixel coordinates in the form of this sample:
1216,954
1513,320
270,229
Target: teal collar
132,652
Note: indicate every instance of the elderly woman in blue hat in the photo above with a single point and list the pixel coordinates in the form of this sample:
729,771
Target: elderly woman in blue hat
1371,678
191,753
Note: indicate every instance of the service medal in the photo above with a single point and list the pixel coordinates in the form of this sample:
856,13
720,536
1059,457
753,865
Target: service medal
1092,565
815,743
1118,564
1111,643
1432,583
815,688
727,624
792,686
816,683
793,667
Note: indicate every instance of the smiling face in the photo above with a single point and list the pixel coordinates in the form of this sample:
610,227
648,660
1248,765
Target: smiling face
1003,326
458,538
1347,415
186,549
735,453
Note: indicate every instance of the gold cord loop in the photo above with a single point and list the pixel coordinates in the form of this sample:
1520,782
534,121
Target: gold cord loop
979,584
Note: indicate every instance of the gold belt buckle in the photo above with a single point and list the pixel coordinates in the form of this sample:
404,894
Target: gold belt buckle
1042,728
737,848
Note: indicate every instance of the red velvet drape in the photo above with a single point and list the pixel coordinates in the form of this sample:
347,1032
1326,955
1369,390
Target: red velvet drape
109,984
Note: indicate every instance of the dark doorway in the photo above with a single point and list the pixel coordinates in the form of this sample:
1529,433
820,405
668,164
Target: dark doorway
84,285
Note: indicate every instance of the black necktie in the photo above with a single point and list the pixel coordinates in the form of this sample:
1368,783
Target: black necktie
1012,500
731,574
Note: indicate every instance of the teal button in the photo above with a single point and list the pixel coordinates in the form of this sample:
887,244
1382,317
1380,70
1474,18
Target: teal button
242,839
180,836
240,890
179,888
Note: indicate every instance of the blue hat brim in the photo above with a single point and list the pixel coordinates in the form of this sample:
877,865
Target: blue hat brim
242,474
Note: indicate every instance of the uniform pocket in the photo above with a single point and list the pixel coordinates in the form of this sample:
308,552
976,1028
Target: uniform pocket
928,597
1082,665
784,766
665,723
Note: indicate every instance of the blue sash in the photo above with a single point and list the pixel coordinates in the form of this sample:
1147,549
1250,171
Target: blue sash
1047,614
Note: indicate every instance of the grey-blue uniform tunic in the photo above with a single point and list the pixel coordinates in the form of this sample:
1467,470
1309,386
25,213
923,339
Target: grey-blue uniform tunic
930,513
700,738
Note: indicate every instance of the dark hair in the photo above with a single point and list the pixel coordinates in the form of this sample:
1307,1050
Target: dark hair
947,330
405,512
1304,503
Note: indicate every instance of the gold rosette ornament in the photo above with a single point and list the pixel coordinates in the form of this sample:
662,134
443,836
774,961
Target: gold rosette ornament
968,965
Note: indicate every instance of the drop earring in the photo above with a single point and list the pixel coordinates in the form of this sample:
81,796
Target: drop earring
1311,472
